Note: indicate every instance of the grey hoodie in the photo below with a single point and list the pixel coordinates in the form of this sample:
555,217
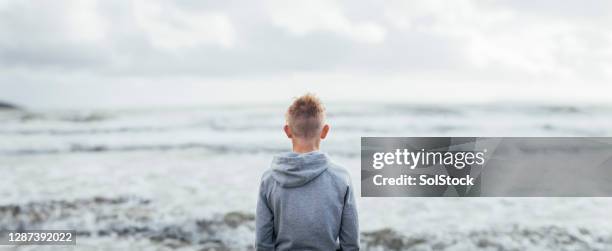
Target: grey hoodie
306,203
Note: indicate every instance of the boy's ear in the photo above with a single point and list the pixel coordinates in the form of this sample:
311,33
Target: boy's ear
287,130
324,131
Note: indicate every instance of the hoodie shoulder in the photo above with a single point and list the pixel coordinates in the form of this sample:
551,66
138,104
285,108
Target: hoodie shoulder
339,173
266,176
266,180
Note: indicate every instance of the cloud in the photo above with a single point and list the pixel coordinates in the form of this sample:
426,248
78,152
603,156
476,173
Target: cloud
304,17
101,43
171,27
502,36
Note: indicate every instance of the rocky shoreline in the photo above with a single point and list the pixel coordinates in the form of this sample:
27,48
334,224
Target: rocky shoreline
131,217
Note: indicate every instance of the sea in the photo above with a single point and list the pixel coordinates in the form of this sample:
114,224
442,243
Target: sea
186,178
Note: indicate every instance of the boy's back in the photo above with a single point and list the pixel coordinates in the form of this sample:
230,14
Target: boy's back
306,203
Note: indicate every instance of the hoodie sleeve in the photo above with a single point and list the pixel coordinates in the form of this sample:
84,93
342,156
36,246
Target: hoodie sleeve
349,228
264,222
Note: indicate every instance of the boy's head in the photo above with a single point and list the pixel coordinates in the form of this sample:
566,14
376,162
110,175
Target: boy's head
306,119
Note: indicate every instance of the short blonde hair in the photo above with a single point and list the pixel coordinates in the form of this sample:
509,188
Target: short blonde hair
305,116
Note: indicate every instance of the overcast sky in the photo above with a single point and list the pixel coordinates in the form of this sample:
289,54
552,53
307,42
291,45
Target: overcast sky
141,53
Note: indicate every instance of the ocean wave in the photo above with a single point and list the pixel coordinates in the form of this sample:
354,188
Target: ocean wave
212,148
374,119
74,117
212,126
83,148
86,131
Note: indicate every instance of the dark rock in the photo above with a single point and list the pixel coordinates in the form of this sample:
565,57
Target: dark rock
385,238
8,106
388,239
214,246
235,219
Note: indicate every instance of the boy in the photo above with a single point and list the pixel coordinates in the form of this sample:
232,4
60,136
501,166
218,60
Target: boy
305,201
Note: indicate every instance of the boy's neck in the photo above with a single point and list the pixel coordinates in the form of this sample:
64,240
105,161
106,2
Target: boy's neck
305,146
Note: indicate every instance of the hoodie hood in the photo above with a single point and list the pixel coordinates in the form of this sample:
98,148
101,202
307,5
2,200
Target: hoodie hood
294,169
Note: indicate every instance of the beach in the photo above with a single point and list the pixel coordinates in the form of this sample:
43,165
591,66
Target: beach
186,178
